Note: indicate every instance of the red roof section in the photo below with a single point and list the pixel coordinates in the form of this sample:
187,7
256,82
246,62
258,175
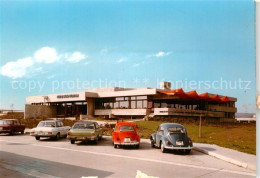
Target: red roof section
194,95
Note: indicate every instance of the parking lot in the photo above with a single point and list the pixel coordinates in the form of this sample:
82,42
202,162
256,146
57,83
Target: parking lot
23,156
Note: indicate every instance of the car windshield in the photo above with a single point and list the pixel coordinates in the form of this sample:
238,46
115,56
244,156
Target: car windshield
126,128
5,122
90,126
176,130
46,124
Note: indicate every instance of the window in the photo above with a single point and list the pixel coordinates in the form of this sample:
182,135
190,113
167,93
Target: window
141,97
175,130
89,126
46,124
97,126
133,104
126,128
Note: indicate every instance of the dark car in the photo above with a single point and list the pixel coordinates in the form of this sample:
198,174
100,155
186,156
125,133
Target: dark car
171,136
11,126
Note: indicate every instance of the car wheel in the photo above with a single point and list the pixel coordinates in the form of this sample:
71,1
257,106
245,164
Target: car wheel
115,145
22,132
72,141
37,138
187,152
137,146
12,133
57,136
162,148
152,143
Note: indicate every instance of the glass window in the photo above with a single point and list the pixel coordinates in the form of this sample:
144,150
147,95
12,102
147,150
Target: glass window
126,128
124,104
145,104
120,99
139,104
116,105
46,124
89,126
133,104
133,98
5,122
174,130
141,97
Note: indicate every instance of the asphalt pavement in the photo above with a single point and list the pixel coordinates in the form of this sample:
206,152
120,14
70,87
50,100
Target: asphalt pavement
23,156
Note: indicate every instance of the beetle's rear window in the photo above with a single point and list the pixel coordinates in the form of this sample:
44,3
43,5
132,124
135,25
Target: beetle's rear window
174,130
126,128
4,122
90,126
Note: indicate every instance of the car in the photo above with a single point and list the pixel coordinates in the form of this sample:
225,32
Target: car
125,134
171,136
85,131
50,128
11,126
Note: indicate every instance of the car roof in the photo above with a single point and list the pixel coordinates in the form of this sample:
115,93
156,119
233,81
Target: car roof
49,121
126,123
84,122
171,125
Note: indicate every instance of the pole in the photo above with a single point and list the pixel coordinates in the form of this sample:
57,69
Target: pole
200,128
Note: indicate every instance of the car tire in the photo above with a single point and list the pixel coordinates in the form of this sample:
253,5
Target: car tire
187,152
37,138
137,146
72,141
22,132
162,148
57,136
12,133
152,143
115,145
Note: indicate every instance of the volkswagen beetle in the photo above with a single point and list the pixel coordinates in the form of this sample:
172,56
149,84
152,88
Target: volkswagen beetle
171,136
125,134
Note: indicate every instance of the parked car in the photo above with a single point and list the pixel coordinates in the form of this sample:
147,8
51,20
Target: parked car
125,133
11,126
171,136
85,131
50,128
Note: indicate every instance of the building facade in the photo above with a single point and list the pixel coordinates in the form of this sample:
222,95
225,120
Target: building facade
131,102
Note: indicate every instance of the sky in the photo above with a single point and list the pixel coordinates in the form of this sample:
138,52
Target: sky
66,46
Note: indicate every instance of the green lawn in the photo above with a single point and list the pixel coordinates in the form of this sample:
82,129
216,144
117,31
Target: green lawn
241,137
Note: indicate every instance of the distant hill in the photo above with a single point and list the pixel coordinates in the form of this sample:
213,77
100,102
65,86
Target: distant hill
245,115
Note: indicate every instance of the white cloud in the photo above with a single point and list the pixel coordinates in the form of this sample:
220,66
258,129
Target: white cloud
121,60
159,54
46,55
17,69
76,57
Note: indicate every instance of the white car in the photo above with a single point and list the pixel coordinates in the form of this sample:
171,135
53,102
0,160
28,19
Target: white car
50,128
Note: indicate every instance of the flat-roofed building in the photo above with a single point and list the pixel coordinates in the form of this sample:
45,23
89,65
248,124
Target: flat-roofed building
131,102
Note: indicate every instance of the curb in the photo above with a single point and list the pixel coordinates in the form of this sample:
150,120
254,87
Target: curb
227,159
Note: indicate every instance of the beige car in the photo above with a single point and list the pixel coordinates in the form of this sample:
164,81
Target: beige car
85,131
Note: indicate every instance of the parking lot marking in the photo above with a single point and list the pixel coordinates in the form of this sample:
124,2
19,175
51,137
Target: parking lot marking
142,159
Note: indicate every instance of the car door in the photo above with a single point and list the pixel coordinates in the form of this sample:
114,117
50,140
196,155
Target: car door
98,129
16,126
62,129
159,135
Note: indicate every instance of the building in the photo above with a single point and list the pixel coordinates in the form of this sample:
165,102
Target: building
131,102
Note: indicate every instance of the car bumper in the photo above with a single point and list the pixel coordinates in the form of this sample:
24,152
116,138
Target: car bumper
82,138
5,131
178,148
43,135
127,143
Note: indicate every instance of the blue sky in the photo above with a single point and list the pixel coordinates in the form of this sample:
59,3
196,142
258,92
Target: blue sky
139,43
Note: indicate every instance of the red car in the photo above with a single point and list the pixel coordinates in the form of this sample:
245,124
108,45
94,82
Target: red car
125,134
11,126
